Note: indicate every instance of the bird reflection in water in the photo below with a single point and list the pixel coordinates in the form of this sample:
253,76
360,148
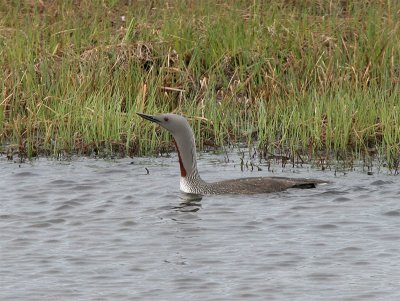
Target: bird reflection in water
190,202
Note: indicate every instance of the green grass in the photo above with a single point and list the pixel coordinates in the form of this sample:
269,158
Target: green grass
316,77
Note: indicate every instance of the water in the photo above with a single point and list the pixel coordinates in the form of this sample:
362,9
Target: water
105,230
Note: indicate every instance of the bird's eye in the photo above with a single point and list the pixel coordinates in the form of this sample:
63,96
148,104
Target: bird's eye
166,119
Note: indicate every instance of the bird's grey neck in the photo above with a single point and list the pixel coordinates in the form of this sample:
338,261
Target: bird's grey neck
186,148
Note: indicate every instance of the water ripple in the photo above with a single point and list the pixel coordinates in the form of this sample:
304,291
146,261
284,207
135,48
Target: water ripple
102,230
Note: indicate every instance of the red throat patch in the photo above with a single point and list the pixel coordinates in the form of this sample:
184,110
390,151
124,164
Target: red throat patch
183,170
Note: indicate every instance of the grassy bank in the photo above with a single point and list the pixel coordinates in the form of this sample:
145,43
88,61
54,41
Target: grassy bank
316,77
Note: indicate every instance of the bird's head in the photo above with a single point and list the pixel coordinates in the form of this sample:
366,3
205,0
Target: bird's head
175,124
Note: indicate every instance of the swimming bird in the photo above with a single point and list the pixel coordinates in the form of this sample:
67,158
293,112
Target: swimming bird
190,180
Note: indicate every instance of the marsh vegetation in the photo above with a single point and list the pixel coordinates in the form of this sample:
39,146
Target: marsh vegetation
316,78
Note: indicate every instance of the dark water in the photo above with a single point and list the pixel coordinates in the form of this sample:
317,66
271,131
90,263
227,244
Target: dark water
101,230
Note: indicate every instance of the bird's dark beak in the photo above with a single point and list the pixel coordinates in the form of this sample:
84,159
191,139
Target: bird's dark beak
148,117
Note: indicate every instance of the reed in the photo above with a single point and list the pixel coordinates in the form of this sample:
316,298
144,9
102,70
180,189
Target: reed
316,77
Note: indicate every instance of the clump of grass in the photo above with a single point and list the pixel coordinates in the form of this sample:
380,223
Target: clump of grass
316,77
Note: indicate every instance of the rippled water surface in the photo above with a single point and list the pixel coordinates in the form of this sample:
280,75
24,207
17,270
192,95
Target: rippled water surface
105,230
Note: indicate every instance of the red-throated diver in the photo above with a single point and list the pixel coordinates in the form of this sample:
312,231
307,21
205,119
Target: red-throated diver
190,179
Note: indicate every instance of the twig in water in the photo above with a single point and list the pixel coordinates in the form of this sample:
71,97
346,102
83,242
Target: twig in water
226,157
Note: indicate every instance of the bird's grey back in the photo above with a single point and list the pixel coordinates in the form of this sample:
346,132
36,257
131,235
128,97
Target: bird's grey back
255,185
